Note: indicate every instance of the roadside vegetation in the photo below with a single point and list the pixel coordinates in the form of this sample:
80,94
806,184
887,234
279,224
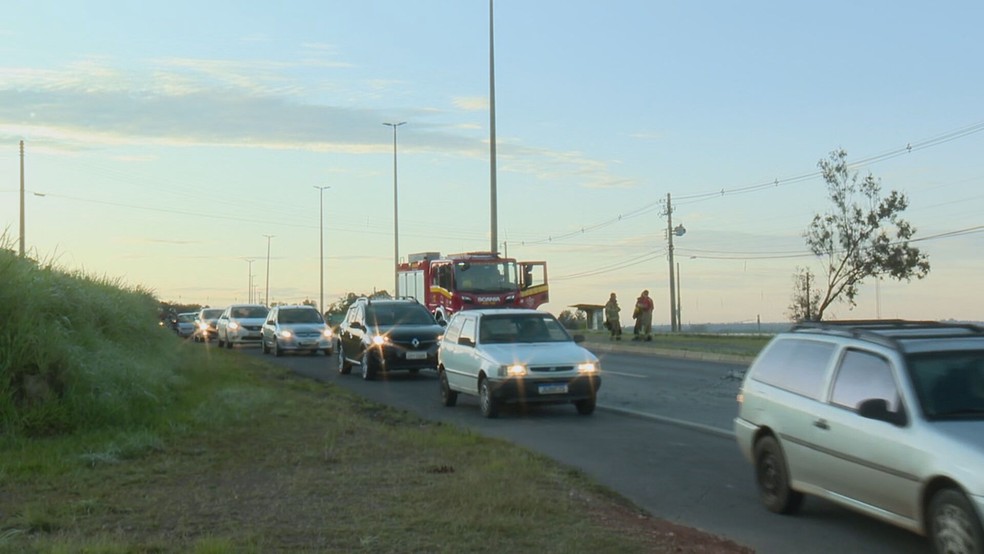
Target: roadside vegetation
735,346
118,437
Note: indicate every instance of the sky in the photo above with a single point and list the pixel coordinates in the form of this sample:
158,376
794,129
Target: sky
167,144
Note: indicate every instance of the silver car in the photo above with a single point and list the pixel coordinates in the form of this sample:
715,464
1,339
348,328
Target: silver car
883,417
296,329
240,324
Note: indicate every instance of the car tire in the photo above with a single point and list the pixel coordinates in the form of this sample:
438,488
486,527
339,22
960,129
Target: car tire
488,403
586,406
277,351
344,367
264,347
953,524
772,477
220,341
367,367
448,397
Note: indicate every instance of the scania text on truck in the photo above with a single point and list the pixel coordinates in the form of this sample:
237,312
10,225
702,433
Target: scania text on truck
447,284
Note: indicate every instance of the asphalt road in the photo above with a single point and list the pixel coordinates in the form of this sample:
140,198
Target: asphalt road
661,437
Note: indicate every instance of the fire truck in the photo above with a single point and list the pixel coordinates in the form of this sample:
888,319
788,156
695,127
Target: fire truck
446,284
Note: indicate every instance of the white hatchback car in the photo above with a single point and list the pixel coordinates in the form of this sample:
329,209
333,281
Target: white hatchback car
883,417
240,324
515,356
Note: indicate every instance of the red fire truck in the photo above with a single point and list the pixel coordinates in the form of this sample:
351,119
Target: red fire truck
446,284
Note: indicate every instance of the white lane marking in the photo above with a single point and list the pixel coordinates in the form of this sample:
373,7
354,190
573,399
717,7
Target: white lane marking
636,375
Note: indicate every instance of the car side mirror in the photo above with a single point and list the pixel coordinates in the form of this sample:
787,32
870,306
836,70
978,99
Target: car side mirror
466,341
579,338
877,409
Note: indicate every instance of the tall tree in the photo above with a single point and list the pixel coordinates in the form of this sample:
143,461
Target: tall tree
863,235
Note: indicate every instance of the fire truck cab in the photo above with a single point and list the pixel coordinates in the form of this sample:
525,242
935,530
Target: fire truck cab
446,284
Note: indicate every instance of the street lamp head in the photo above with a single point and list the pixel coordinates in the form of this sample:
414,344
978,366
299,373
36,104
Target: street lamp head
395,125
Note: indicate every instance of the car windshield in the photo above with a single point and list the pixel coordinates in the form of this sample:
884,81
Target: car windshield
524,328
411,314
300,315
950,385
212,314
486,277
249,312
186,318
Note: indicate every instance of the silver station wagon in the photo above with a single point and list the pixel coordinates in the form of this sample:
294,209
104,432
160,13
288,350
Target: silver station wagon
883,417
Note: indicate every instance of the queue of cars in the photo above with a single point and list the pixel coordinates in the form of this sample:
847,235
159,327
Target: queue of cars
502,356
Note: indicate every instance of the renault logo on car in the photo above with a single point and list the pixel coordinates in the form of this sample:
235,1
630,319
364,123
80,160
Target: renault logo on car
415,343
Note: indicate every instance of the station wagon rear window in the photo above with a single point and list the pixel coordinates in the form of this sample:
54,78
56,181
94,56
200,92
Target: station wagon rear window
796,365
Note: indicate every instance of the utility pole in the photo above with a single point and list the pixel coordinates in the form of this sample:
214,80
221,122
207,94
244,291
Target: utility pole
669,238
21,199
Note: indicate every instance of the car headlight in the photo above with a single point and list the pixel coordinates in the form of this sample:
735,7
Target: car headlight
380,340
286,334
202,325
512,370
233,326
327,333
588,367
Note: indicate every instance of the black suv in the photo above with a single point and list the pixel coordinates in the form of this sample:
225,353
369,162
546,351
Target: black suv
387,335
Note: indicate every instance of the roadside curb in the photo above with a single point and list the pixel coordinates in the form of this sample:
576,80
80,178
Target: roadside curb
709,429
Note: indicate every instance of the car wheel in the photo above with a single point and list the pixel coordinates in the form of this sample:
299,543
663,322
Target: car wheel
488,403
264,347
586,406
276,348
448,397
953,524
773,478
344,367
368,368
221,342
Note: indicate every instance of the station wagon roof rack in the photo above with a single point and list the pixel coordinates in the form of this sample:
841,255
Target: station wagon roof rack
890,332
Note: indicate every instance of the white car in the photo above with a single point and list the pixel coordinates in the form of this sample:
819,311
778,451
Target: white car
240,324
885,417
296,329
515,356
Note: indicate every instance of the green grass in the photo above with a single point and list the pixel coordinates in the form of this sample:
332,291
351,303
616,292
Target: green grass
117,437
742,346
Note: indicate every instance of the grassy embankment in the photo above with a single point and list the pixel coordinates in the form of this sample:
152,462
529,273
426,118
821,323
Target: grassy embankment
117,437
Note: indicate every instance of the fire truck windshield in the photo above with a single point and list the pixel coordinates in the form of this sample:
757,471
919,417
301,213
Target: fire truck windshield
486,277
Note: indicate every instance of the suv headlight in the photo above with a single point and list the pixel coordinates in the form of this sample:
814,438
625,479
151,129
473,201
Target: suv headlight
380,340
588,367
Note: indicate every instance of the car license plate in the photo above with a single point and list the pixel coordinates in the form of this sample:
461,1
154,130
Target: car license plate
554,389
416,355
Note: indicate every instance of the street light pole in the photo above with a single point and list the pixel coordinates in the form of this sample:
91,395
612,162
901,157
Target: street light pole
249,292
396,216
267,301
321,240
21,199
493,200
